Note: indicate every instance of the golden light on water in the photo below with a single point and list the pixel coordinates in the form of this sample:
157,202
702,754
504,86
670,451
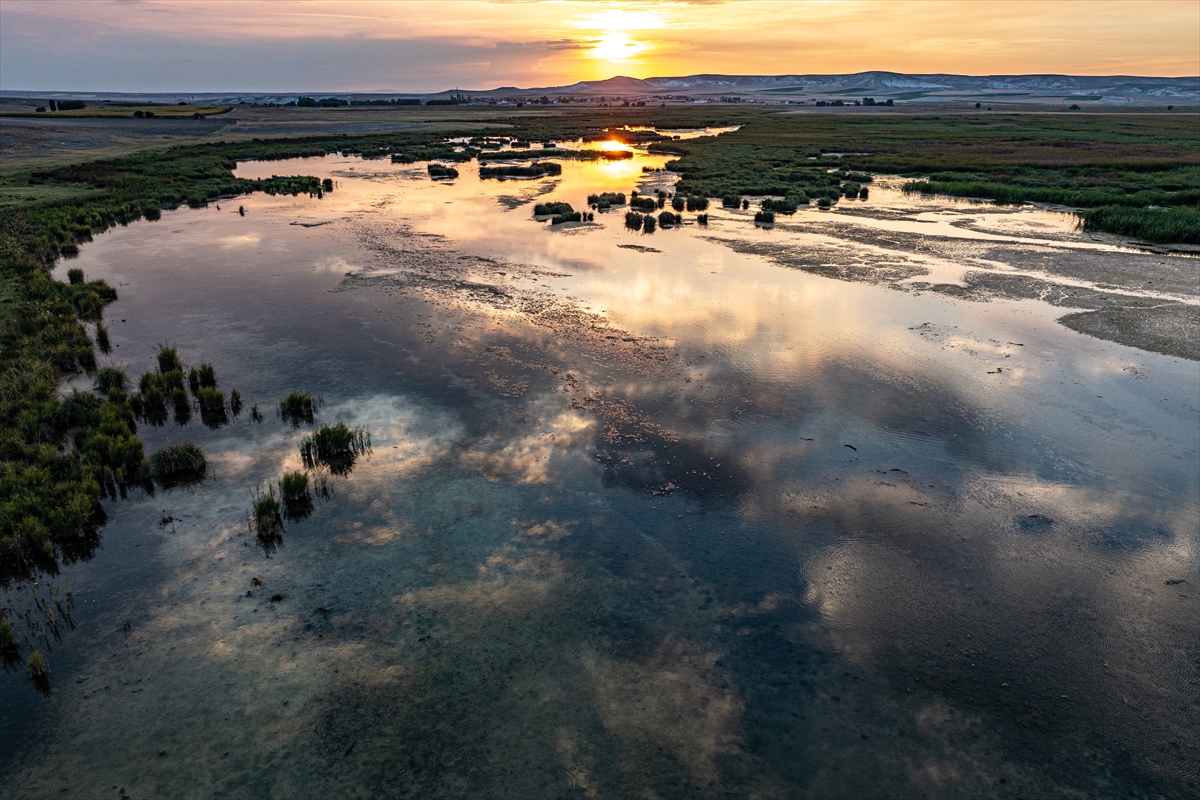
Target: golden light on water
612,144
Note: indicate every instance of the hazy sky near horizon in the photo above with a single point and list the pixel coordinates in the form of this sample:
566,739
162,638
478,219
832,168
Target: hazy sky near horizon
421,45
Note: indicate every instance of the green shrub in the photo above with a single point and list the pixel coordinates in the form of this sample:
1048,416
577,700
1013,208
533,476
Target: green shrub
731,201
668,219
573,216
644,204
633,220
702,219
648,223
696,203
677,203
851,190
764,217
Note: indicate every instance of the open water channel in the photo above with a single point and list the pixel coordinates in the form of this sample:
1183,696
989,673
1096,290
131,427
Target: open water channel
718,511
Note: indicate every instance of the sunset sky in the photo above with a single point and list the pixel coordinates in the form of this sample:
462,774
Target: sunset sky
364,45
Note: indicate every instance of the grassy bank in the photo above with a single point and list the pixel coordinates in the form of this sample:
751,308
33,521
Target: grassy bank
1116,165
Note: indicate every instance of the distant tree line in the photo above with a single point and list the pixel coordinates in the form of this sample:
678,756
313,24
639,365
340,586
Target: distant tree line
396,101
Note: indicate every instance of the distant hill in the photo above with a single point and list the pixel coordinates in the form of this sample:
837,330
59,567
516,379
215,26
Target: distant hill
1114,89
1110,90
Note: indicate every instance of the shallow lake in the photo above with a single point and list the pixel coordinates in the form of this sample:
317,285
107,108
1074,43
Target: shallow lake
715,511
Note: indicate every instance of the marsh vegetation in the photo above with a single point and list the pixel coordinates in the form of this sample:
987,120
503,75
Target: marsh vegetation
297,408
335,446
179,464
535,170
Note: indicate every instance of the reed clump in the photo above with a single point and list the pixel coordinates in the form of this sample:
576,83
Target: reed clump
573,216
786,206
764,217
669,220
109,378
203,376
552,209
633,220
335,446
697,203
102,340
168,359
210,399
442,172
267,520
606,199
297,408
648,223
178,464
293,485
535,170
643,204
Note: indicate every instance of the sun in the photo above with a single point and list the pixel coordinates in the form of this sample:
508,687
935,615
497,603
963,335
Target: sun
616,46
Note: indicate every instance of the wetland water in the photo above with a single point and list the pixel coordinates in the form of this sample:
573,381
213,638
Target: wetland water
717,511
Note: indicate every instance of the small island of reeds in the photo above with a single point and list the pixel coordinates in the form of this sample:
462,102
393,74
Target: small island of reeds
535,170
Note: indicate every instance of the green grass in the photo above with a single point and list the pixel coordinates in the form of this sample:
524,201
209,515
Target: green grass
1089,161
1163,225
